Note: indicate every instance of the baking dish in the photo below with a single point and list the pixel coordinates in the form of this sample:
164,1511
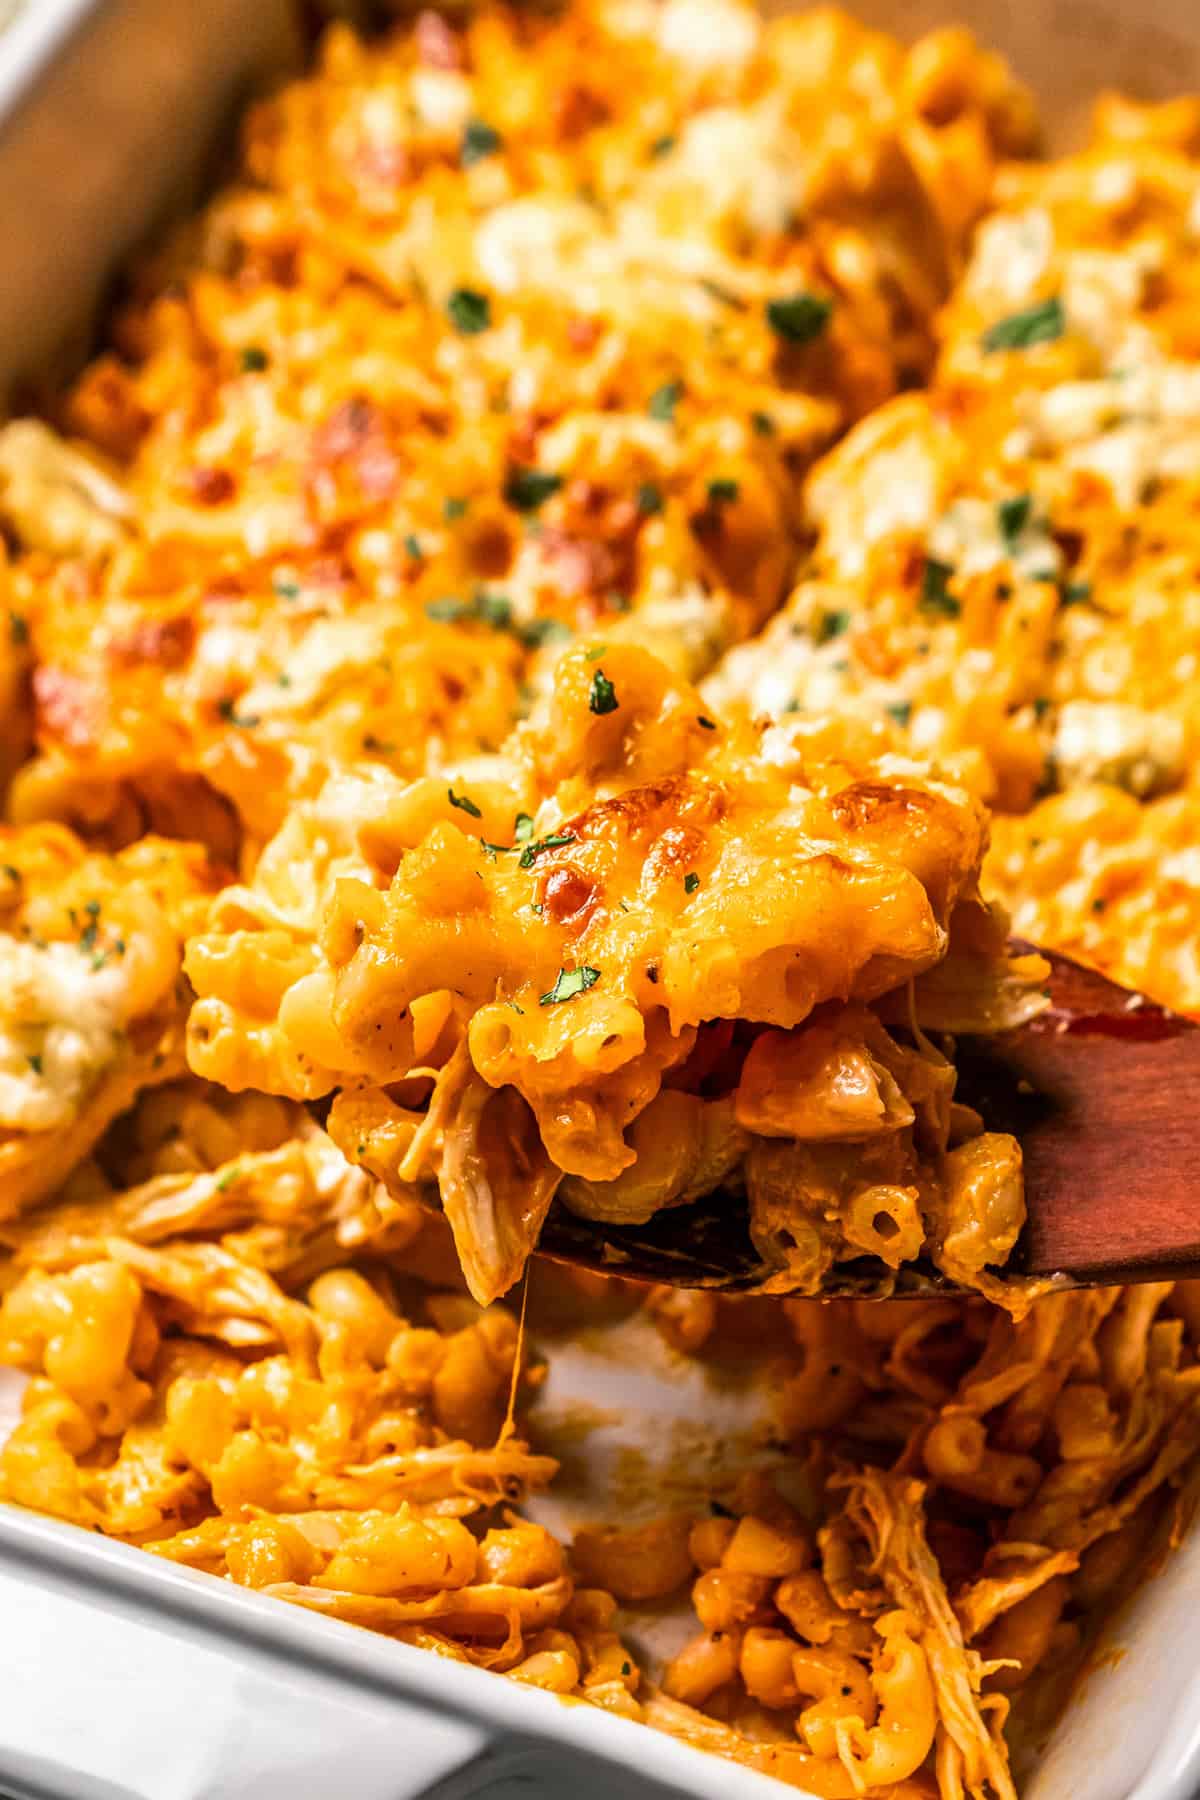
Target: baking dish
219,1693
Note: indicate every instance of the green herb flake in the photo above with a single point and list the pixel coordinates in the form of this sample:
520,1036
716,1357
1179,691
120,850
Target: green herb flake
626,1668
527,489
228,1178
469,311
649,499
664,400
830,625
722,492
285,586
227,709
1041,707
901,711
377,746
35,1063
691,883
763,424
934,595
18,628
515,1007
1012,516
253,360
662,146
569,983
412,545
447,607
535,847
523,827
543,631
705,724
1076,593
799,318
479,140
603,695
1098,906
463,804
1040,324
453,508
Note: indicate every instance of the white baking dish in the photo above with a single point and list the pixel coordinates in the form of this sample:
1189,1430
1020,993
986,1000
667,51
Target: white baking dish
122,1678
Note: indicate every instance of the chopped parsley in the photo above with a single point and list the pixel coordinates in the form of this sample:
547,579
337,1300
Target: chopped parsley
227,709
1041,706
763,424
570,982
523,827
463,803
1012,516
649,499
664,400
691,883
626,1668
722,492
595,653
901,711
799,318
469,311
1076,593
378,746
479,140
253,361
603,695
1098,906
228,1178
285,586
662,146
412,544
543,631
934,595
35,1063
453,508
1040,324
535,847
496,610
705,724
526,489
830,625
18,628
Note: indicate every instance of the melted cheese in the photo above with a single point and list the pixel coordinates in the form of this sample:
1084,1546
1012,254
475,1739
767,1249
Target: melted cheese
60,1030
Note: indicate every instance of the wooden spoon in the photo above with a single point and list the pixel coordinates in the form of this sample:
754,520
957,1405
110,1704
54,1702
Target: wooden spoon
1100,1090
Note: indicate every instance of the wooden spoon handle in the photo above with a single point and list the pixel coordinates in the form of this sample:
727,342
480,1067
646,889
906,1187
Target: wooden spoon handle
1103,1091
